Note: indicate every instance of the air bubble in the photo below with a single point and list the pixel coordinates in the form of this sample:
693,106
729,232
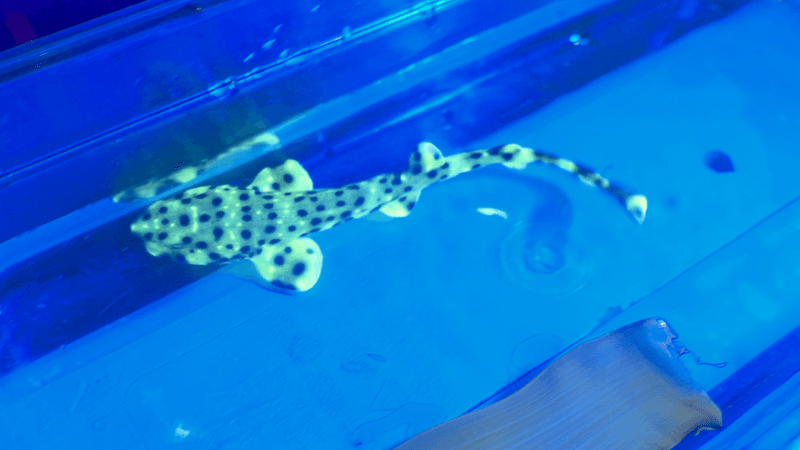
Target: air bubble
577,39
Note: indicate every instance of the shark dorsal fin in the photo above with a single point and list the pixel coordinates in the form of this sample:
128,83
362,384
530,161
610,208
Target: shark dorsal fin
289,176
426,157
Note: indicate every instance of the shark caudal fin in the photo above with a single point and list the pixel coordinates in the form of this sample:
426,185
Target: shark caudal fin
637,207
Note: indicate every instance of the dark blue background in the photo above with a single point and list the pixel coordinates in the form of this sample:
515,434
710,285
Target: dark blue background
24,20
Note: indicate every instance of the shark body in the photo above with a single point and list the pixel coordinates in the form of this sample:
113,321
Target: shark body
268,221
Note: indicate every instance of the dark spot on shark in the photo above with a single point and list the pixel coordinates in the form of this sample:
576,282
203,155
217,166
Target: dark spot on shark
204,218
163,210
298,269
272,216
162,236
302,213
316,221
217,233
246,234
288,178
217,201
269,229
214,255
320,208
245,208
247,217
184,220
292,228
274,241
186,240
201,244
359,201
244,197
220,214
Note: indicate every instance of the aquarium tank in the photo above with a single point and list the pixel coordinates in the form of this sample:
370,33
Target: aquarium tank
438,224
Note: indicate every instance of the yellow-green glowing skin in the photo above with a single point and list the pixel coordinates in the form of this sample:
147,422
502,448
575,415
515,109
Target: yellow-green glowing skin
268,221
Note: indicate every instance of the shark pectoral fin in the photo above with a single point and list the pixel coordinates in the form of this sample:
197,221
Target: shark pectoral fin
290,176
378,216
154,249
295,266
402,206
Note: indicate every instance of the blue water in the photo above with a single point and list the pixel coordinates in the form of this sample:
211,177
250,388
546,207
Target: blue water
416,320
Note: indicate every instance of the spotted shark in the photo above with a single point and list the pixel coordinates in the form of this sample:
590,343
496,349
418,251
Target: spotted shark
269,221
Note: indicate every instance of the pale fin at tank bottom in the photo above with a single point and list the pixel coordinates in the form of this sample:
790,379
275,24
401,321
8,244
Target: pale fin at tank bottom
294,267
290,176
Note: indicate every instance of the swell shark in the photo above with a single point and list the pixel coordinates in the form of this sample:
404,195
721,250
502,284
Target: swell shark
269,221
